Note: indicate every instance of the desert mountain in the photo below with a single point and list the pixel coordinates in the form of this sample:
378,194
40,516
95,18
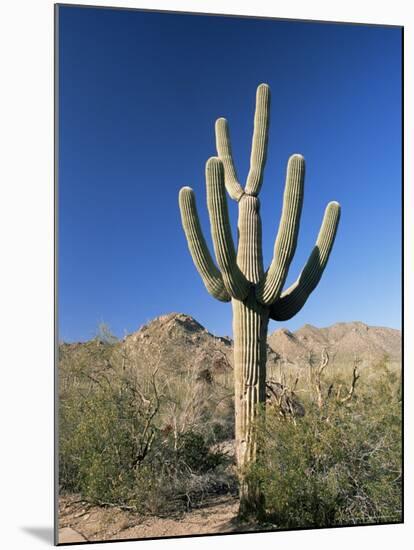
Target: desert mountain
177,343
343,341
185,343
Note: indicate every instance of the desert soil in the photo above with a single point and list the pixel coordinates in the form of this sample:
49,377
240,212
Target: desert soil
83,522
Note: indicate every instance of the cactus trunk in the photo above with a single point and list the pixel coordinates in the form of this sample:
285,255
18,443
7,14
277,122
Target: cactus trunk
250,320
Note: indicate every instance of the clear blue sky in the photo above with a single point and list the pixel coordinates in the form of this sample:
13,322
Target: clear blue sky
139,94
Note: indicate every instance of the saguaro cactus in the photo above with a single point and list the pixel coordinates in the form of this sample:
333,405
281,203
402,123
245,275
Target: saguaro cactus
256,295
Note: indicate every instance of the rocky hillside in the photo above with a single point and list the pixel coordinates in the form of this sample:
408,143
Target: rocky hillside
342,340
177,343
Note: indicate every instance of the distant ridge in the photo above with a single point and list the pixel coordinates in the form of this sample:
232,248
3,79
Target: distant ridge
178,342
343,340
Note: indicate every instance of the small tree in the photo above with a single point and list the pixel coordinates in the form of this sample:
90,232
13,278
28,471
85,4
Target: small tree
256,295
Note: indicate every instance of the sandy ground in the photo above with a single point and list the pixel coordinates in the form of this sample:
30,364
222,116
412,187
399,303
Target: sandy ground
82,522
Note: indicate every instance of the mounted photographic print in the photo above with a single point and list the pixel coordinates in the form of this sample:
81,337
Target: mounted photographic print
229,271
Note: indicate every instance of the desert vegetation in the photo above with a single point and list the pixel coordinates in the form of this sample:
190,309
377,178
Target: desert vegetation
339,463
156,437
144,440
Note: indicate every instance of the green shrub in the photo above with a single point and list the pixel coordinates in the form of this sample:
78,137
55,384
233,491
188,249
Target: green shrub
338,465
194,452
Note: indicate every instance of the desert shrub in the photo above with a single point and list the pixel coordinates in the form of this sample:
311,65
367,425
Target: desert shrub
101,437
116,446
339,464
195,453
224,430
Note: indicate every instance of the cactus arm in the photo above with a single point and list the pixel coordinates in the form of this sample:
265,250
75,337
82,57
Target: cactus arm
293,299
259,142
234,280
223,146
268,290
203,262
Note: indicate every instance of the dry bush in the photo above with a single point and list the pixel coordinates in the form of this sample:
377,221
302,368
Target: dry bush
135,437
341,463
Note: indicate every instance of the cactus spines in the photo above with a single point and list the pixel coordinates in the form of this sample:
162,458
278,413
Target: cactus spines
256,295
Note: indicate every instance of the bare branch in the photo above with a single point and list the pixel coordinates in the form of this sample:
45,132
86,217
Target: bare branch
355,378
